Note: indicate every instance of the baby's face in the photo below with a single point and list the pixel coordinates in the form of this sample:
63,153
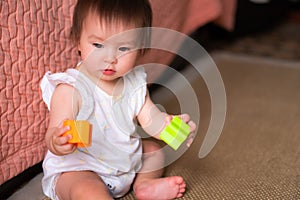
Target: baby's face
108,51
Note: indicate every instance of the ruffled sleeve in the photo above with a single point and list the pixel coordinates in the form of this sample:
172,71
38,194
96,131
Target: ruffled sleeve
78,81
49,83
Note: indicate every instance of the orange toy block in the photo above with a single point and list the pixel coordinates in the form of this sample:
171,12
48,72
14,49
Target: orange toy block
81,132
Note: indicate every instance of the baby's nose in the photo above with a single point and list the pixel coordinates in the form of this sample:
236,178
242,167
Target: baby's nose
111,57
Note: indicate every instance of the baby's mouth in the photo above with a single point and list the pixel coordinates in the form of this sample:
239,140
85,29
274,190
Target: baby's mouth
109,72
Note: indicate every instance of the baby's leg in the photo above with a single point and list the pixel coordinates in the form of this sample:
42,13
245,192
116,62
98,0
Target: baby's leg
149,184
81,185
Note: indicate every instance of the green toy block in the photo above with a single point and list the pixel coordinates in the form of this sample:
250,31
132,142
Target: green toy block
175,133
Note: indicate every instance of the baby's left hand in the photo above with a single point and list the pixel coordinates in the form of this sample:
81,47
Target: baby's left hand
187,119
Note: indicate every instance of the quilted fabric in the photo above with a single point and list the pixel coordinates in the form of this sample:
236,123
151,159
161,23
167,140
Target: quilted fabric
34,39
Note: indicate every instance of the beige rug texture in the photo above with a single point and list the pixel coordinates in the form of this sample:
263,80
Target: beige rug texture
258,153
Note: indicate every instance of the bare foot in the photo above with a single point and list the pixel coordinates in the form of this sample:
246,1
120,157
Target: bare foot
161,188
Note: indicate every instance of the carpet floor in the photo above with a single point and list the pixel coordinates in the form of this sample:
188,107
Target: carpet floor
258,153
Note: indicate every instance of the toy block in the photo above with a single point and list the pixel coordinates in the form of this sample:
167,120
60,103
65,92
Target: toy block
81,132
175,133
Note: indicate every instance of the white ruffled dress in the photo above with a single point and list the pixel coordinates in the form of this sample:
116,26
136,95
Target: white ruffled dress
116,150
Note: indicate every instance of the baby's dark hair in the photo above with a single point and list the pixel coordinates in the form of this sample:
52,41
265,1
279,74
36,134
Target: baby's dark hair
136,12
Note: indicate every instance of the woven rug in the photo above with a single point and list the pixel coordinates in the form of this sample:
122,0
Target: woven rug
258,153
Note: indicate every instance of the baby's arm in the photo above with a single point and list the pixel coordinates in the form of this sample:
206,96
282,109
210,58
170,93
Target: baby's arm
65,103
153,121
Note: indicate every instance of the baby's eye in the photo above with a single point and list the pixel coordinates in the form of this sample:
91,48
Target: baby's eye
124,48
97,45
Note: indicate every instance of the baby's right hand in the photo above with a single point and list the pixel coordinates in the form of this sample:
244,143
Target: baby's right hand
59,141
